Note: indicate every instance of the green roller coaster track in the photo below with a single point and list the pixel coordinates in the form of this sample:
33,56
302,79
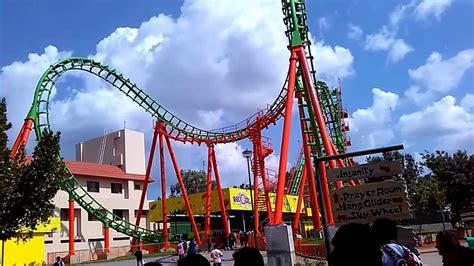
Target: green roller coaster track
297,32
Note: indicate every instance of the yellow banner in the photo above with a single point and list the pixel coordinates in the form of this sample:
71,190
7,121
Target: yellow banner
235,199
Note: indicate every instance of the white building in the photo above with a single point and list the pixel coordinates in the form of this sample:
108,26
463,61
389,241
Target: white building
112,169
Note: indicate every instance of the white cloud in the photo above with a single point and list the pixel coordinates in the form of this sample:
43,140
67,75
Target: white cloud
323,24
440,75
467,103
400,13
428,8
371,127
385,40
380,41
332,62
210,76
444,123
398,51
355,32
18,82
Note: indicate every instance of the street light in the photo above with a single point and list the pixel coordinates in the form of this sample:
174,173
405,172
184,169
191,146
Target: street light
247,154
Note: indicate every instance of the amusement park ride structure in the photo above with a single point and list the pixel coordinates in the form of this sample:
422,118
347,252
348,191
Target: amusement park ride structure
322,130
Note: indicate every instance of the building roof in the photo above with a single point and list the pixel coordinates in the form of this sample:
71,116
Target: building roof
101,170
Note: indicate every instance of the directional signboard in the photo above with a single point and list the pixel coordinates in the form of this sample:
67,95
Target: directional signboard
367,202
371,170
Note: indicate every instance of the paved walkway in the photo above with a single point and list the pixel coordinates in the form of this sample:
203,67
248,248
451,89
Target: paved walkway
429,259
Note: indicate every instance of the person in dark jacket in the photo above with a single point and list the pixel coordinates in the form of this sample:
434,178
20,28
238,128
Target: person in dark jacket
451,250
139,256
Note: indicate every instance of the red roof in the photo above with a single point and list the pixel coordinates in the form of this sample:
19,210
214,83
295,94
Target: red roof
101,170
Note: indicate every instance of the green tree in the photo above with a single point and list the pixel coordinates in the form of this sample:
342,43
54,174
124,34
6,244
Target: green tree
195,181
455,174
428,195
27,187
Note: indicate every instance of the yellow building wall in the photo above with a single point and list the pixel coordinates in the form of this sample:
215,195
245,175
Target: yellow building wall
31,252
234,199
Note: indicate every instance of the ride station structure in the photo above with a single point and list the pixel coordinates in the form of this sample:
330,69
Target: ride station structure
321,119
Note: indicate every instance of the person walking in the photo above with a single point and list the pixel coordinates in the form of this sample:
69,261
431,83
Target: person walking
451,250
192,249
59,262
139,256
386,235
216,256
180,250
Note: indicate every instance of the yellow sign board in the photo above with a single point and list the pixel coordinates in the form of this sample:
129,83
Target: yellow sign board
235,199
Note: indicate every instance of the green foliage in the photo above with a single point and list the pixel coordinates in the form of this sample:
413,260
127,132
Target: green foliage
428,195
27,188
194,181
455,174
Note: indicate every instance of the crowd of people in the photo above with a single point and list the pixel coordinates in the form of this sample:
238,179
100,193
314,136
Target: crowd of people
353,244
377,245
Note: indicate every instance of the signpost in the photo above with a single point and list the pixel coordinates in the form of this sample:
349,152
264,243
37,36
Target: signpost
371,170
367,202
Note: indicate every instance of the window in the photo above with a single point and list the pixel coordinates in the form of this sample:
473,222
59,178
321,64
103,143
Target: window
118,213
91,217
116,188
137,186
64,214
144,213
92,186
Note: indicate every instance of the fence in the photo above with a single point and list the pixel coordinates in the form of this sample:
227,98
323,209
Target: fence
311,250
101,254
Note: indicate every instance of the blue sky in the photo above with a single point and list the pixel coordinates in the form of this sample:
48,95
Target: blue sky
406,67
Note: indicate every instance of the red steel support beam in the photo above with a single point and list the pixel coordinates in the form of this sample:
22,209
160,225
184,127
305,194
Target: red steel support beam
183,191
106,239
225,221
310,173
163,192
147,177
255,167
296,221
207,221
324,182
285,139
71,226
321,126
265,187
22,137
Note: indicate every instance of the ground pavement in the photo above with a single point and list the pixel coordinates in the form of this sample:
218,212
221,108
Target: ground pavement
428,258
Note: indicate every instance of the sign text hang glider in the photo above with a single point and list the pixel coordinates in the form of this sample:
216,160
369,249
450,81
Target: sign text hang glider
371,170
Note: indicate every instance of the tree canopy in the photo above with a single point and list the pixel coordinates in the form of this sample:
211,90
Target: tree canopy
447,184
27,187
195,181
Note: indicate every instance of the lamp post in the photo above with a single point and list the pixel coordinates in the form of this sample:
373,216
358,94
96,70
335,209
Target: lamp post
247,154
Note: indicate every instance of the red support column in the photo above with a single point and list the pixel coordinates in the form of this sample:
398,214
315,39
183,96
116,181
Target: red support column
147,177
183,191
23,135
106,239
324,183
309,171
207,223
285,139
166,244
265,188
71,226
255,191
298,204
321,126
225,222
